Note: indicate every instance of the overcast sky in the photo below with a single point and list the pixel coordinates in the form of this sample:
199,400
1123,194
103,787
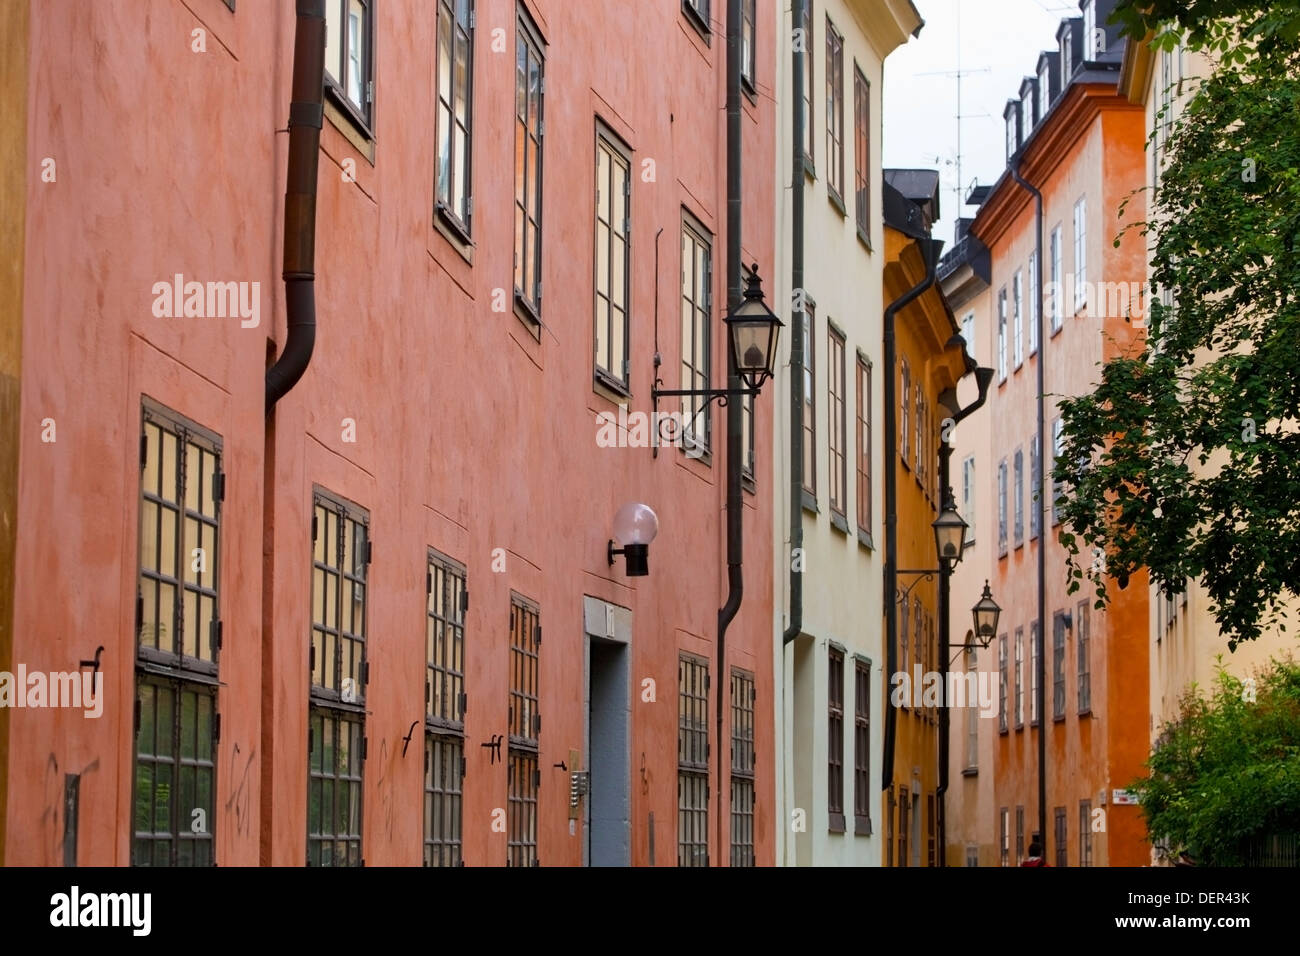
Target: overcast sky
999,42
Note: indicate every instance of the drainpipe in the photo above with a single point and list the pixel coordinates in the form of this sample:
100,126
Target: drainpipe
930,252
735,405
1040,670
983,378
306,112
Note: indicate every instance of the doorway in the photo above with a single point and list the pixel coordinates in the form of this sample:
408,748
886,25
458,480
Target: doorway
608,826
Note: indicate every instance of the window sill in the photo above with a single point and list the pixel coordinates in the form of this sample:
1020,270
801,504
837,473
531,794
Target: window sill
809,169
809,501
1055,332
837,202
1002,731
1058,720
864,539
1002,551
453,223
747,482
861,826
836,824
747,87
526,314
1020,544
1086,712
864,238
1019,366
454,233
1019,727
838,521
606,386
970,771
695,20
350,128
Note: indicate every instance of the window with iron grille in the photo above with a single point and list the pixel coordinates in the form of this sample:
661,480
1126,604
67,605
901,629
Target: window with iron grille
1018,489
1035,651
864,445
808,137
862,792
1085,833
524,722
530,127
1002,684
613,257
178,640
835,739
748,25
810,398
862,154
904,824
455,201
692,761
444,709
1085,666
1058,666
349,59
339,674
1062,838
742,768
1020,834
1004,837
834,113
697,309
839,436
1020,659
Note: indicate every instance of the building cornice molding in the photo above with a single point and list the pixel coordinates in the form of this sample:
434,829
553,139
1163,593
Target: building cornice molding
1135,69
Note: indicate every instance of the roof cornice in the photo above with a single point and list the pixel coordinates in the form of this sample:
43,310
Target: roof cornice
887,24
1135,69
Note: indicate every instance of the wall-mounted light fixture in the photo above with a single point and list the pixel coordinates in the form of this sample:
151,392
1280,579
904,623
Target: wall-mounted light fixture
635,526
986,613
949,533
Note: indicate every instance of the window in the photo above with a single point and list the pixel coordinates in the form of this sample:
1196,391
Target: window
810,400
1080,256
834,113
444,710
1020,659
1018,322
1054,285
748,19
968,333
889,827
808,48
1027,112
1020,834
904,635
613,258
904,824
1089,30
349,56
1002,335
697,307
455,109
839,436
747,437
742,768
862,154
1035,652
1044,91
918,644
1058,666
929,829
1067,66
835,740
864,444
1002,684
1004,837
862,792
972,713
339,674
697,11
529,129
968,497
1035,302
1062,838
1085,833
1011,133
1084,662
1002,507
178,639
1018,489
524,723
972,856
1058,447
692,761
918,446
904,421
1035,486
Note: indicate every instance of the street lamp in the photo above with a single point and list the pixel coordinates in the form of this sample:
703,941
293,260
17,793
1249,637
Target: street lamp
753,330
635,526
949,533
986,613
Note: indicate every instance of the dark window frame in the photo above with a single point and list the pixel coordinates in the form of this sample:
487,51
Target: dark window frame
697,372
810,139
1018,489
445,702
699,18
834,115
1002,683
862,790
529,44
837,405
1002,507
1062,837
835,739
523,731
522,781
1020,834
1058,666
1035,652
1018,672
809,403
361,115
460,221
692,760
743,696
444,775
1085,833
862,153
864,429
345,832
616,376
1083,657
749,53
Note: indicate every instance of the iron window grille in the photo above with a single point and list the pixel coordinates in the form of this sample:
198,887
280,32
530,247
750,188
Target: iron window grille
1058,666
613,259
444,711
530,131
742,768
455,199
835,739
336,756
178,641
1085,833
834,114
1084,661
862,154
524,722
1062,838
444,774
692,761
697,348
521,835
810,400
839,437
862,792
349,59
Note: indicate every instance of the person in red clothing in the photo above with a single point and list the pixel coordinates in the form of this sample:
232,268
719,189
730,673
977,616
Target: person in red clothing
1035,857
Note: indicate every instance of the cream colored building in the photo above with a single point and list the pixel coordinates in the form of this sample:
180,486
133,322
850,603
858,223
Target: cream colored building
1186,645
829,678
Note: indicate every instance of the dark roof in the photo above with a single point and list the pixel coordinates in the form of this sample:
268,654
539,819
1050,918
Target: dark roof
921,186
902,214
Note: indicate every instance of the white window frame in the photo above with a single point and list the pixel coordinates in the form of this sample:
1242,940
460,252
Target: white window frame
1080,254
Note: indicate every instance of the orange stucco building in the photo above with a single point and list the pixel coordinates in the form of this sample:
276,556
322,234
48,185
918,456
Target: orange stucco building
320,633
1073,138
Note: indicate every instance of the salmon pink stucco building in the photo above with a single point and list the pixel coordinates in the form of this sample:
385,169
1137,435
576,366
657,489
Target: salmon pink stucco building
381,623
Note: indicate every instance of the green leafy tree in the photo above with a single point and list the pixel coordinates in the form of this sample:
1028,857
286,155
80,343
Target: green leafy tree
1216,26
1226,773
1185,459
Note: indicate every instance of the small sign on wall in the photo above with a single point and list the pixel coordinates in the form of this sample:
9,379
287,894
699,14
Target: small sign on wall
1123,797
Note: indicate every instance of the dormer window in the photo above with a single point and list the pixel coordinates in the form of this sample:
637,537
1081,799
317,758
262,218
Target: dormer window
1044,91
1066,66
1027,112
1089,30
1011,133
